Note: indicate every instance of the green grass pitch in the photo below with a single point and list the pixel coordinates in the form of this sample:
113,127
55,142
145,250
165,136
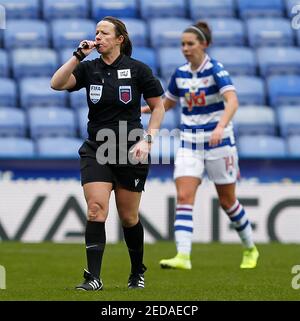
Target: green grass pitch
49,271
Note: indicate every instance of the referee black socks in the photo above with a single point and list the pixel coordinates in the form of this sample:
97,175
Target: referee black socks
95,240
134,238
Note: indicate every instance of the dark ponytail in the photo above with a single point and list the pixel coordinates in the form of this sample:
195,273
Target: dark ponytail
120,28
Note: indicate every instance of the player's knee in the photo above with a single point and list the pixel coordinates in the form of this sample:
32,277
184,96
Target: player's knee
96,210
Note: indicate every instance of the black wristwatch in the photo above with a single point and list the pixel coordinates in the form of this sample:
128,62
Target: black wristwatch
148,138
79,54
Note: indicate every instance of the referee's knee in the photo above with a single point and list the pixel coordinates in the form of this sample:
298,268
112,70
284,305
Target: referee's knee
96,211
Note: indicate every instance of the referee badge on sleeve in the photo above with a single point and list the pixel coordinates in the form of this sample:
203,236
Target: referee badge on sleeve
95,93
125,94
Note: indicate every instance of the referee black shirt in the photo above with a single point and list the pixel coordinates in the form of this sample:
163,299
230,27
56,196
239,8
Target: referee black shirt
114,92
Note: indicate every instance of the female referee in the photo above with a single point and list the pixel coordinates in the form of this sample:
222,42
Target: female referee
114,84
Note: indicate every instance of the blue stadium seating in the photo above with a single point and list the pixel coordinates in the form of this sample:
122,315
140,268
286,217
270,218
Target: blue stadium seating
67,33
212,8
116,8
51,121
293,145
57,9
262,146
255,120
281,60
78,99
34,62
165,32
242,62
37,92
147,56
16,147
162,8
26,33
257,8
4,66
250,90
169,59
12,122
21,9
8,92
137,31
284,90
289,120
269,32
82,117
58,147
227,31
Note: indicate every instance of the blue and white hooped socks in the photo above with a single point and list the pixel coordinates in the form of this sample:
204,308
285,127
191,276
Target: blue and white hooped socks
240,221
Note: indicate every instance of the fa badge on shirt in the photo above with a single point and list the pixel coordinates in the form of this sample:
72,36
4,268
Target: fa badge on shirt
95,93
125,94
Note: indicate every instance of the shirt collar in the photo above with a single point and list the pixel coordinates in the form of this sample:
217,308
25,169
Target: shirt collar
115,64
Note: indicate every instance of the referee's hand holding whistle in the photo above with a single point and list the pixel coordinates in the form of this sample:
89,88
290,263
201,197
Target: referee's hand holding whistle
87,46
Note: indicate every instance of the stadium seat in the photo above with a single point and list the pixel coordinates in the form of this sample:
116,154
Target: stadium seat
289,120
82,117
255,120
4,66
212,8
51,121
21,9
242,62
147,56
33,62
250,90
78,99
8,92
37,92
57,9
137,31
293,145
260,8
261,146
284,90
12,122
58,147
67,33
16,147
169,59
227,31
281,60
167,32
26,33
162,8
115,8
269,32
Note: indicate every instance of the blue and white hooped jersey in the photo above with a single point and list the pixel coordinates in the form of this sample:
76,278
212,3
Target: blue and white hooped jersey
200,95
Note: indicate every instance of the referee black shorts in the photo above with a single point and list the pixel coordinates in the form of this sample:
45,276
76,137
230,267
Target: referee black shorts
129,176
